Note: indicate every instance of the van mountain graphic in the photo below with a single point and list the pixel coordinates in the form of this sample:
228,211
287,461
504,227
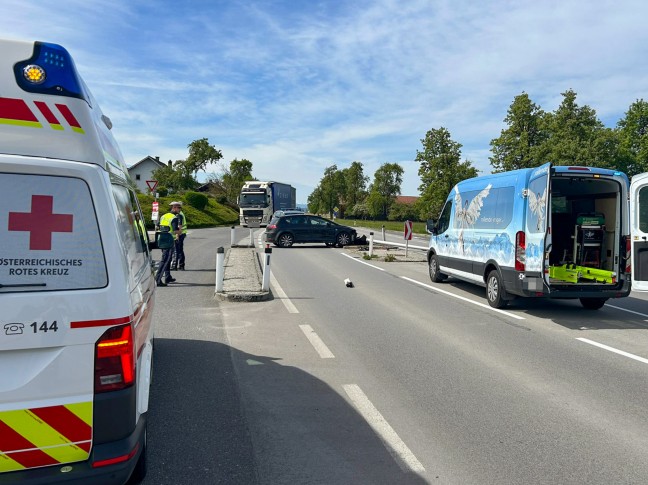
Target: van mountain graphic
41,222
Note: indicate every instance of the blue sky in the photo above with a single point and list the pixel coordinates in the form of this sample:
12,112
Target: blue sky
295,86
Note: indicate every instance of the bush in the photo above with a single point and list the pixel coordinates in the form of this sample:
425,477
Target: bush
162,191
196,199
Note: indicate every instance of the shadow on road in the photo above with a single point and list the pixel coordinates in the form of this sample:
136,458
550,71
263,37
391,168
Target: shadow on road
280,425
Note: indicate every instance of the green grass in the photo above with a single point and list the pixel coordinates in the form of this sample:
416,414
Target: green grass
214,214
417,227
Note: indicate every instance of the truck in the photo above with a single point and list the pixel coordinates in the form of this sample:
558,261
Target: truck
259,200
548,232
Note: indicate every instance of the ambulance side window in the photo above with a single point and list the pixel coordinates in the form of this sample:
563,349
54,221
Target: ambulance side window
131,228
444,219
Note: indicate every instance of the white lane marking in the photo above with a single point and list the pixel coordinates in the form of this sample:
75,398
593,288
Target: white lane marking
357,260
396,446
484,305
612,349
317,342
626,310
282,295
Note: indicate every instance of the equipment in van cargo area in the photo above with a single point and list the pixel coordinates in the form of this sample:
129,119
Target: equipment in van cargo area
554,232
76,282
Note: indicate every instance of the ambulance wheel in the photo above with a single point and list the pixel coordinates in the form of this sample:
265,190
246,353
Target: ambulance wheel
139,472
593,303
286,240
495,292
435,272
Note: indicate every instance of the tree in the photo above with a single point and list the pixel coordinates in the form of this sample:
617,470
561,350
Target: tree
181,175
384,189
576,136
240,171
355,183
632,133
332,190
516,147
440,170
314,201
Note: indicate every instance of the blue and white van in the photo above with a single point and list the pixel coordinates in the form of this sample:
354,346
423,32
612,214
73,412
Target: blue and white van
76,282
550,231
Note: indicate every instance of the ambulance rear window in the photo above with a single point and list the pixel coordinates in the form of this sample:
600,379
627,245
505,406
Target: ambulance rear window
50,239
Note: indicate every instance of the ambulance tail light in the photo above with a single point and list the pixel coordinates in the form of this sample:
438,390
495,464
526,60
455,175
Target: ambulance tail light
520,251
115,359
628,250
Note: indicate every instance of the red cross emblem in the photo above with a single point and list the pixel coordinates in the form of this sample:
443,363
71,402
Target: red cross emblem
40,222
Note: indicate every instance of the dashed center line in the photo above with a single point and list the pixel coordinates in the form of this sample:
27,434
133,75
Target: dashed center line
396,446
612,349
317,342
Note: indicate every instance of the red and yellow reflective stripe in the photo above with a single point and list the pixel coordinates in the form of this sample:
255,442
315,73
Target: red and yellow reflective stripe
69,117
45,436
16,112
49,116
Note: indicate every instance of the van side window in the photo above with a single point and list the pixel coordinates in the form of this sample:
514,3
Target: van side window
131,228
444,219
643,209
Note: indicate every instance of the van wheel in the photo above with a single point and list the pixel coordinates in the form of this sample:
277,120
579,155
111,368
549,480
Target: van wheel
286,240
495,292
140,468
593,303
435,273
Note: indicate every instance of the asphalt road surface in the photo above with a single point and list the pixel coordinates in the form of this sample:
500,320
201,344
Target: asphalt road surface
393,380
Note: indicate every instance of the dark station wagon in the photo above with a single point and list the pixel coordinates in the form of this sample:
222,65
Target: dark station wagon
285,230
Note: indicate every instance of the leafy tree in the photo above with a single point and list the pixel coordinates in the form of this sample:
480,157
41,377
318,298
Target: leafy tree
632,133
403,212
384,189
181,175
314,201
332,190
577,136
355,184
240,171
516,147
440,170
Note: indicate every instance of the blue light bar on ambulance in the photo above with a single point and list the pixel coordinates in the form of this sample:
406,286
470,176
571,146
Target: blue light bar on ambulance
50,70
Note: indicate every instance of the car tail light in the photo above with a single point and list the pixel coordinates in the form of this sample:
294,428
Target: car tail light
628,249
271,226
115,359
520,251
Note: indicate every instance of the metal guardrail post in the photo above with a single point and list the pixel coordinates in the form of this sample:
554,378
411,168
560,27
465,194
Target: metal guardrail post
265,286
220,269
383,232
371,244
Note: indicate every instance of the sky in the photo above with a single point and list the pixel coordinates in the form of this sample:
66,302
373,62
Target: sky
297,86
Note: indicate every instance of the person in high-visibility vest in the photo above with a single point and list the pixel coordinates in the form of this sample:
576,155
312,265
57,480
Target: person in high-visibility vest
168,223
178,261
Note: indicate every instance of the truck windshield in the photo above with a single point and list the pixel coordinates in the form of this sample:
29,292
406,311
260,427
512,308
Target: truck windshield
257,199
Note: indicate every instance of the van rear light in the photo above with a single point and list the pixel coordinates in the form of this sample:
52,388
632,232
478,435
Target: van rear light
117,459
115,359
520,250
628,249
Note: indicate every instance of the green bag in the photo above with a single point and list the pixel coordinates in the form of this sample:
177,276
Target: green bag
165,240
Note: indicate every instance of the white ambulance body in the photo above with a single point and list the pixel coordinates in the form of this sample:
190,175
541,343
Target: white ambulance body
76,282
639,231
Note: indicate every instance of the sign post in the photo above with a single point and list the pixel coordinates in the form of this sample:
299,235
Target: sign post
155,214
407,235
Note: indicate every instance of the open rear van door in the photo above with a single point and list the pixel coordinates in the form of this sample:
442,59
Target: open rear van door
537,212
639,231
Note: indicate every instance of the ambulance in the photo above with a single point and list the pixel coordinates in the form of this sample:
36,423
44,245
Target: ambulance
76,282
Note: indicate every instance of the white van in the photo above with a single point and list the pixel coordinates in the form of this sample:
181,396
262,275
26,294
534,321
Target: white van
639,231
76,282
548,232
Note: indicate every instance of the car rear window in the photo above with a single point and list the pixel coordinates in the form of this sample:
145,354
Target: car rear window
52,239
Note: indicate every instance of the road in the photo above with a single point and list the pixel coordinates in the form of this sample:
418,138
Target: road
395,380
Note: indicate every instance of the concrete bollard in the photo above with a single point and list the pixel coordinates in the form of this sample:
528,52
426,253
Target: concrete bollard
371,244
232,237
265,286
220,269
383,232
251,237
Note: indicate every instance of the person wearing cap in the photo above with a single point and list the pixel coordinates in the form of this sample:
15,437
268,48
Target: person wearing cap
168,223
178,261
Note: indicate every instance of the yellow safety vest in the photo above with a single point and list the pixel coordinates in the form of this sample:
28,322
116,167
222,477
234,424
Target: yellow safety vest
166,222
183,220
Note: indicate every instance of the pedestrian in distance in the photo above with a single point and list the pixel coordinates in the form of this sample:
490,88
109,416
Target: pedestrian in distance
178,261
169,225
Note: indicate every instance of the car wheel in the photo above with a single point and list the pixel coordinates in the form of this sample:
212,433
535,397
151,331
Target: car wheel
592,303
435,270
343,239
286,240
139,472
495,292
